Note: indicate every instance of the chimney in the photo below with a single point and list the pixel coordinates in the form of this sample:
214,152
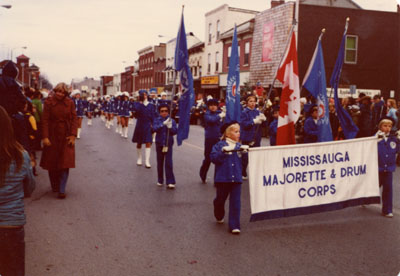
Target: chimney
275,3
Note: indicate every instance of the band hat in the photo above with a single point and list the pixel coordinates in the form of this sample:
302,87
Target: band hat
226,125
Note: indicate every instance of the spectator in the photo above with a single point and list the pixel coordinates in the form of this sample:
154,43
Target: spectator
16,181
60,125
378,111
392,113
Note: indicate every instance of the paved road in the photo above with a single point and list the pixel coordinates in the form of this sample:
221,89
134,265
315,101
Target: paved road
116,221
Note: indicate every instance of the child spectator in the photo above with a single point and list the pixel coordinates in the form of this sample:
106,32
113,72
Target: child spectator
227,155
388,146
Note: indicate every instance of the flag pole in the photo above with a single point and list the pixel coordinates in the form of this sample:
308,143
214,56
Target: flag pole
282,57
165,147
345,32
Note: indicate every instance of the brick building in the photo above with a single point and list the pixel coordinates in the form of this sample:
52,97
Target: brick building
104,83
127,80
152,61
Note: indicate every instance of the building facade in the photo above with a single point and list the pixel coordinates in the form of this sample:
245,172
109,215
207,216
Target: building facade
152,61
218,21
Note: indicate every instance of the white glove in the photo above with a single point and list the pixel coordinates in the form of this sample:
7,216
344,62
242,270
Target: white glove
168,123
380,134
398,134
262,117
228,149
257,120
222,114
244,148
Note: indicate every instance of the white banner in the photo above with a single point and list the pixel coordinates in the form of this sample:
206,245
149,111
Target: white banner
310,178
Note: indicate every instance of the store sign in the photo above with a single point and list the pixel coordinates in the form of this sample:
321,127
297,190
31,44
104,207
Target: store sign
209,80
351,92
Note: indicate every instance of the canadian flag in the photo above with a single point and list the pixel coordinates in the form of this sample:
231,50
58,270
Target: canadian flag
289,111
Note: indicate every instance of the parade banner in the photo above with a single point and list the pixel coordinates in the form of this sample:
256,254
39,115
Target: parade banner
311,178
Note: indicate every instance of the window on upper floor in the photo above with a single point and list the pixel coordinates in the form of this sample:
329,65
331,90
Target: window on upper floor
246,53
228,55
216,61
209,64
209,32
218,29
350,56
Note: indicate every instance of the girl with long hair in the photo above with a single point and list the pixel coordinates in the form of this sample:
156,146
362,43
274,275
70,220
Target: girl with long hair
16,181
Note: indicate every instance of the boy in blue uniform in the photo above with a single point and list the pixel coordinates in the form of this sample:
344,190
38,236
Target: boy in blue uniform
273,127
388,146
311,127
165,128
212,125
250,127
227,157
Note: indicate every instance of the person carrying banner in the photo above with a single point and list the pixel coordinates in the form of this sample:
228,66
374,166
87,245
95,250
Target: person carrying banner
250,118
165,126
212,124
227,155
388,146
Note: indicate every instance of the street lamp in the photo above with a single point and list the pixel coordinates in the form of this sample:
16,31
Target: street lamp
23,47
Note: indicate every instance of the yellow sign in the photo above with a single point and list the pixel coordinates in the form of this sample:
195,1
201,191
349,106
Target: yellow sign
209,80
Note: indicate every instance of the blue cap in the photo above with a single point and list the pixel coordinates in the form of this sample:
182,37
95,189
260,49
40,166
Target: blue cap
153,90
142,91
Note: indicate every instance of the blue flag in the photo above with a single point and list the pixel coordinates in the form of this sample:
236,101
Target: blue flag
349,128
315,83
233,108
186,79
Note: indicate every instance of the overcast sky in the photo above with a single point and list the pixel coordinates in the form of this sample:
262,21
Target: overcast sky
77,38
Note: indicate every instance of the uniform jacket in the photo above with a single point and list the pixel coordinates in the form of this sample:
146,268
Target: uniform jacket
272,131
59,121
162,130
212,124
124,108
247,126
145,116
228,167
387,154
310,131
79,107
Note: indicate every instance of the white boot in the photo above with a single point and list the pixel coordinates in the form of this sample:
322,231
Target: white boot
90,122
126,132
112,122
120,129
122,132
102,118
130,122
117,128
147,157
78,134
139,159
108,124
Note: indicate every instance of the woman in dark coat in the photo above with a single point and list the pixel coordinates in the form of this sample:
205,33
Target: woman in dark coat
60,125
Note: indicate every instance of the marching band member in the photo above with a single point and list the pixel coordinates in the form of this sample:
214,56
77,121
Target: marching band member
90,109
124,113
145,113
311,126
117,105
212,124
165,128
250,127
80,109
107,111
388,147
227,156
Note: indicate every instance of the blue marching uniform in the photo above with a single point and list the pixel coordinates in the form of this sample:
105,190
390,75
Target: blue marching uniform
91,106
387,165
124,109
164,159
115,106
79,107
273,130
248,133
212,126
310,131
145,116
228,182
